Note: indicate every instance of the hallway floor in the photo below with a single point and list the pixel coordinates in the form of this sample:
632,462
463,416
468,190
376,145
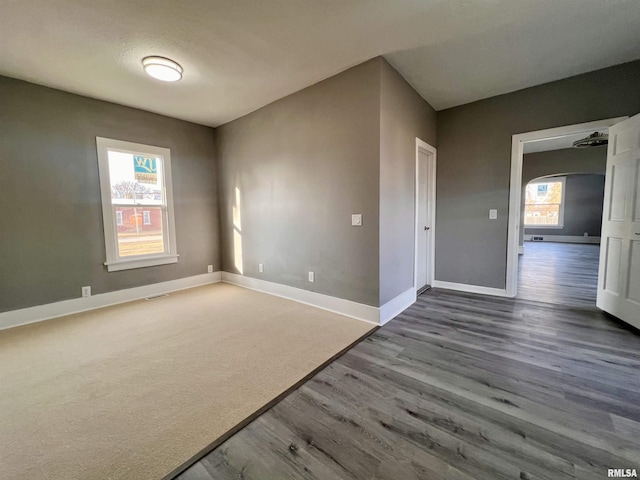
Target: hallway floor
561,273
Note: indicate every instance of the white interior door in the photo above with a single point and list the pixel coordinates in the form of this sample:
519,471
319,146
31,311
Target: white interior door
619,273
424,220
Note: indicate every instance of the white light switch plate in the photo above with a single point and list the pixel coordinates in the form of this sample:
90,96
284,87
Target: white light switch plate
493,213
356,220
260,267
312,277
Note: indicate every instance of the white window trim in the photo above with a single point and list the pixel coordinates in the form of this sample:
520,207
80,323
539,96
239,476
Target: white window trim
560,225
114,263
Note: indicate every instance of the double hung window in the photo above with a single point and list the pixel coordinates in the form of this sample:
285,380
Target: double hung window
137,204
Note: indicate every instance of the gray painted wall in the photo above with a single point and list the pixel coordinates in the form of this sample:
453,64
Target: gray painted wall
560,162
302,165
584,194
404,115
51,234
474,157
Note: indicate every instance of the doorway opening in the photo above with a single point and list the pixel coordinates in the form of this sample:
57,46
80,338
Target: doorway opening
559,249
533,143
425,216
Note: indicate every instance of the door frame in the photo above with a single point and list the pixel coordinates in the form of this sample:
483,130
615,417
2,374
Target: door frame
431,205
515,188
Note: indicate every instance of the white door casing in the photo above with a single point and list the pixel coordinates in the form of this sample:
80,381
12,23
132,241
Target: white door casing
425,200
619,270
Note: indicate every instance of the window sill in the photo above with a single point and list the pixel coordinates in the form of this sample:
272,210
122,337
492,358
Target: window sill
140,262
543,227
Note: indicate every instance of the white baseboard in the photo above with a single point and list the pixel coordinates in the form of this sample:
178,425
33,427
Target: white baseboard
367,313
38,313
347,308
359,311
464,287
562,238
397,305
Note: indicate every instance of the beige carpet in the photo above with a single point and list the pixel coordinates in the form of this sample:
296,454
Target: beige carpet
135,390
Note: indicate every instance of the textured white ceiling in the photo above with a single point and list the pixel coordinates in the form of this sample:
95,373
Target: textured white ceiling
239,55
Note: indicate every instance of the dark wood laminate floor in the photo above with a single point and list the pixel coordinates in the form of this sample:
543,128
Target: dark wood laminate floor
458,387
564,273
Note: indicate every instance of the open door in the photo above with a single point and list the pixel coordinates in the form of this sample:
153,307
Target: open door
619,272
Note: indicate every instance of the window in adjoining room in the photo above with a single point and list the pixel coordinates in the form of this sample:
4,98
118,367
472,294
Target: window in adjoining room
544,203
137,204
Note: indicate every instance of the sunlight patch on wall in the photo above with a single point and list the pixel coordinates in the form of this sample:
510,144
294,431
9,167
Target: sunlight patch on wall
237,233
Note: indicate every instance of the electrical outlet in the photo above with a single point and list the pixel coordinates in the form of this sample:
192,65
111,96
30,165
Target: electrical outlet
260,267
209,268
312,277
493,213
86,291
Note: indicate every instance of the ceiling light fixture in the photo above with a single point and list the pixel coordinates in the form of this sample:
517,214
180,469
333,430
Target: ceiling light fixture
596,139
162,68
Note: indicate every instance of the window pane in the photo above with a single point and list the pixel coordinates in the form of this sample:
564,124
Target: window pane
542,193
135,179
542,215
135,235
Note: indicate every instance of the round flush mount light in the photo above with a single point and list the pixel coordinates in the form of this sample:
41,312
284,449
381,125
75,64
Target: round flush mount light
162,68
